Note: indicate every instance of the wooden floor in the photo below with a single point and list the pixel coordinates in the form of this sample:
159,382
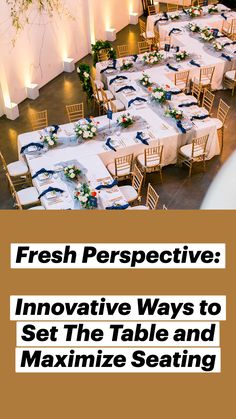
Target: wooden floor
177,191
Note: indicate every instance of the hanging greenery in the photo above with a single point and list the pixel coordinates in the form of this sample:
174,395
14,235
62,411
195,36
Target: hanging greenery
84,75
103,45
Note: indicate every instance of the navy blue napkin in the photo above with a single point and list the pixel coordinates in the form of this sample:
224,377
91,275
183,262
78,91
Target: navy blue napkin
199,117
162,19
40,172
226,56
185,11
55,129
117,207
100,187
38,145
174,92
171,67
137,99
187,105
126,88
140,138
229,43
174,30
180,126
110,67
223,15
118,78
108,144
135,57
194,63
50,190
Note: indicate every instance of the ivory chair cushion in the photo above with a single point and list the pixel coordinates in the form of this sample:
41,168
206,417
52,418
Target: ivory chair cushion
18,168
231,75
118,105
186,150
39,208
148,35
153,163
205,81
99,84
28,196
112,170
218,123
129,193
108,93
139,207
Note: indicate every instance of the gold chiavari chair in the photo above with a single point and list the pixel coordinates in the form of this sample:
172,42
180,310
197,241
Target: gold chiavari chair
39,120
123,51
233,31
208,100
153,10
143,47
18,172
75,112
97,96
111,104
172,7
151,200
147,36
196,91
213,2
122,167
193,153
25,197
206,76
226,28
201,3
230,80
103,55
182,79
133,193
151,161
222,114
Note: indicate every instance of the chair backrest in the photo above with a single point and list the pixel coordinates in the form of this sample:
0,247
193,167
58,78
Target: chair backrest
105,100
223,111
142,26
207,73
153,156
226,27
143,47
201,3
152,10
13,192
75,112
182,77
208,100
3,161
39,120
152,198
124,164
137,180
103,55
199,146
196,91
123,51
172,7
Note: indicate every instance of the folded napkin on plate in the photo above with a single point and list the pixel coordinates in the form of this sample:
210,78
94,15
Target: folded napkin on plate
194,63
171,67
163,18
223,15
126,88
135,57
185,11
187,104
108,144
137,99
110,186
226,56
174,30
180,126
118,78
109,67
38,145
42,171
199,117
117,207
139,137
55,129
50,190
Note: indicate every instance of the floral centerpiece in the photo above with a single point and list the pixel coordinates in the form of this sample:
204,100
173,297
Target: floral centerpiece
152,58
86,196
145,80
125,120
194,11
50,140
126,65
71,172
218,46
193,27
213,9
207,34
181,55
159,95
175,114
174,16
86,131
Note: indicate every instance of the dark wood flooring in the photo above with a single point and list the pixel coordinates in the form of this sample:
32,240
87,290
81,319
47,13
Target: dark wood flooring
177,191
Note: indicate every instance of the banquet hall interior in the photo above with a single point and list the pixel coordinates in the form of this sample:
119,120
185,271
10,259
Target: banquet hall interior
117,104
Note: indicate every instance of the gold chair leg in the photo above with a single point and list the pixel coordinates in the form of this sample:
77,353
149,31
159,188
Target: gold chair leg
190,170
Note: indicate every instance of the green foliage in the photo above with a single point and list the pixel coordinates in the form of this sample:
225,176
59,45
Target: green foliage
103,45
84,72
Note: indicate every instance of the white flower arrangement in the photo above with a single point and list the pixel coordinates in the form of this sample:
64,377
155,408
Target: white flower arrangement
71,172
217,46
181,55
213,9
125,120
207,34
153,58
194,11
159,95
126,65
193,27
145,80
174,16
86,130
86,196
50,140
